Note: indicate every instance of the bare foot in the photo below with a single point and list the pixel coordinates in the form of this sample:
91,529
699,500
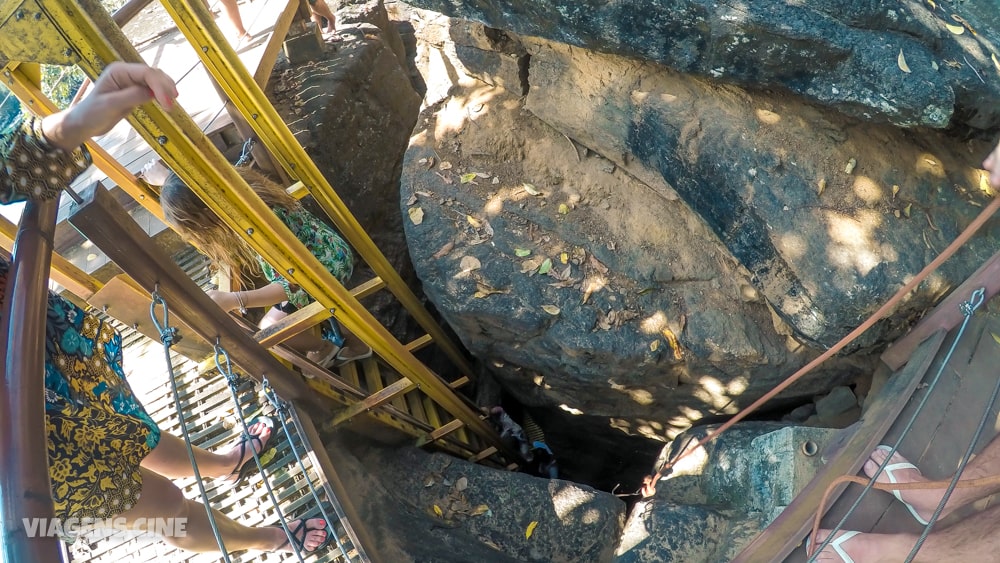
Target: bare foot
856,546
308,535
240,454
924,501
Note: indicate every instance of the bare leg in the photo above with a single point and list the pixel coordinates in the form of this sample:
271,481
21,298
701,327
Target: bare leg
321,10
170,458
232,14
972,539
925,501
162,499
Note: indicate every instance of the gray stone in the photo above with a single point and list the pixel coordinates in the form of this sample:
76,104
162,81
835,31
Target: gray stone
840,399
839,53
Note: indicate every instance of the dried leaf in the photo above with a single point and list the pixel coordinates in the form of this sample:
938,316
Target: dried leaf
851,164
654,345
563,208
430,162
531,529
444,250
995,337
531,189
429,482
416,215
564,275
956,29
996,63
412,200
473,221
901,61
461,484
468,178
445,165
564,257
596,264
482,174
470,263
932,4
530,265
545,267
906,210
479,510
438,511
521,252
496,180
895,190
447,179
934,65
551,309
483,290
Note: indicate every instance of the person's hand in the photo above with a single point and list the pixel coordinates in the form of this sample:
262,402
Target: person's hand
119,89
992,165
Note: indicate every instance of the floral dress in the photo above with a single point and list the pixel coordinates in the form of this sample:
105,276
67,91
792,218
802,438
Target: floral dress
97,431
322,241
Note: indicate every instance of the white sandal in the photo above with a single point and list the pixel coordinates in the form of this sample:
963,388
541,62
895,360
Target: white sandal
888,472
844,537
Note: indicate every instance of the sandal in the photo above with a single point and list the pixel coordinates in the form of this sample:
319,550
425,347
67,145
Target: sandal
341,359
328,360
304,527
246,466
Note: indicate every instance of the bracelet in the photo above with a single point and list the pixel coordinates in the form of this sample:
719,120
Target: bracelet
239,299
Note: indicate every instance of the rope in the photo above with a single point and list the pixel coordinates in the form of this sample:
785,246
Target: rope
226,369
649,485
283,411
968,308
168,335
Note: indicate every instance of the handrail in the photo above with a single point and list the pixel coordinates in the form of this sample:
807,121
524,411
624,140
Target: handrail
25,492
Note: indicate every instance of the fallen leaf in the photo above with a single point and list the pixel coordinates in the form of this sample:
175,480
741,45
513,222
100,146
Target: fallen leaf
996,63
901,61
416,215
551,309
496,180
956,29
906,210
654,345
462,484
932,4
447,179
545,267
483,290
563,208
934,65
521,252
531,189
895,190
482,174
438,511
995,337
468,178
445,165
564,257
851,164
597,264
470,263
530,265
473,221
479,510
444,250
429,482
531,529
430,163
412,200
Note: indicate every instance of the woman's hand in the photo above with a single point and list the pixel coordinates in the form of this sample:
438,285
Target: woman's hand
120,89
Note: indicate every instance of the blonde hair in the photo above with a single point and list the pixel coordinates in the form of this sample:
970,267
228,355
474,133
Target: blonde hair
200,226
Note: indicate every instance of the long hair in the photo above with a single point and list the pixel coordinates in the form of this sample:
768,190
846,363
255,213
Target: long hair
200,226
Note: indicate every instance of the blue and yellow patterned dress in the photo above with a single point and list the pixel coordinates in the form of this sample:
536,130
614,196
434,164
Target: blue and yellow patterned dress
97,431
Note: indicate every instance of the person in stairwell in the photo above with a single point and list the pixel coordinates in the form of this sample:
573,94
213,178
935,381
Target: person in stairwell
107,459
974,538
199,225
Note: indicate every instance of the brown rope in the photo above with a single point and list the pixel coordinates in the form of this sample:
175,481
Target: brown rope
981,482
649,483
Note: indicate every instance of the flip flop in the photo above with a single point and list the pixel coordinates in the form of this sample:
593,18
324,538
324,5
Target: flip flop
888,472
342,360
329,359
248,465
300,544
835,544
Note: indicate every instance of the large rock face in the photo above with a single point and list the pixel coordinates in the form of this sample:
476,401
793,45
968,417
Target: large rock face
631,245
841,53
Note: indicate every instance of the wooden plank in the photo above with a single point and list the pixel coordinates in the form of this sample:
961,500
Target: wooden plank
374,400
75,280
373,376
947,314
440,432
124,300
262,73
846,456
483,454
295,323
419,343
105,223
